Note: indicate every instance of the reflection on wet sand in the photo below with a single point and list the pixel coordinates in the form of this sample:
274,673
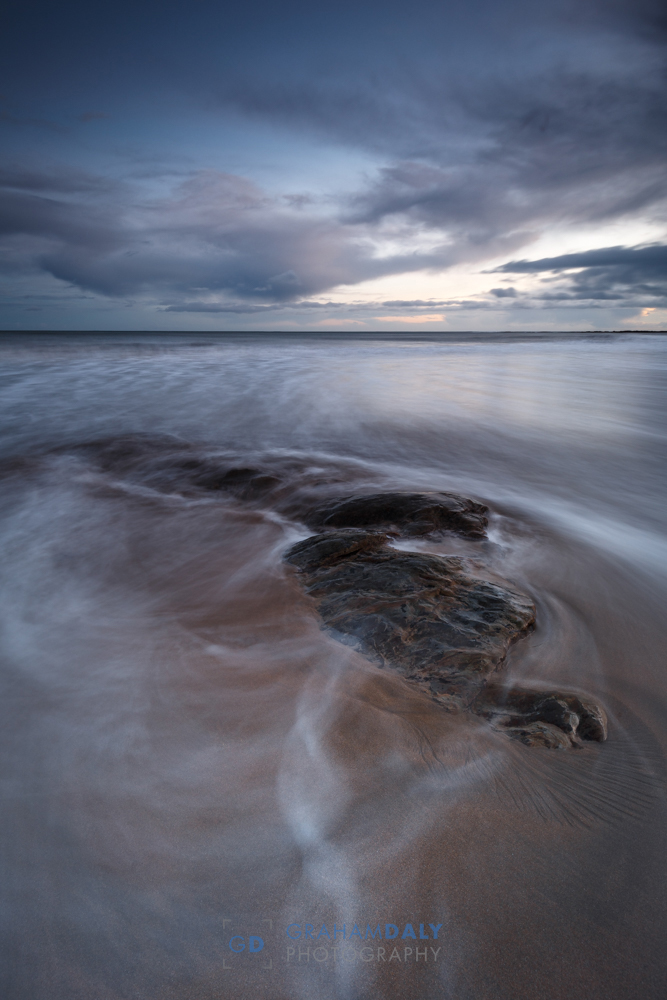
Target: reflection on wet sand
190,756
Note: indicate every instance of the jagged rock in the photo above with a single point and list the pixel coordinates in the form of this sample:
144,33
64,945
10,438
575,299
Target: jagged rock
402,513
538,717
443,629
419,614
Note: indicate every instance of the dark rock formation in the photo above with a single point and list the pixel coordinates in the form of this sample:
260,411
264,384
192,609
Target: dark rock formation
443,629
419,614
247,484
427,617
402,513
168,464
546,718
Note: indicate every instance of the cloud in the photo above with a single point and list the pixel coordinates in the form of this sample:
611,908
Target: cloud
482,126
513,120
218,244
427,318
215,236
237,308
610,273
413,303
645,259
340,322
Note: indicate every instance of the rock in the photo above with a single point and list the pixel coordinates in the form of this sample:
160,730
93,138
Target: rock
168,464
247,484
421,615
402,513
323,550
524,713
541,734
445,630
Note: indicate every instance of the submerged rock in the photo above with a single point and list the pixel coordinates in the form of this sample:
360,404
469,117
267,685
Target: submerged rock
168,464
445,630
403,513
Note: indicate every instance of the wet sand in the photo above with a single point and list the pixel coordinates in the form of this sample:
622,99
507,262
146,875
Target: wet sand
189,759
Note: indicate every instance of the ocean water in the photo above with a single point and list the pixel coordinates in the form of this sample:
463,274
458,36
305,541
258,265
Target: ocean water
198,782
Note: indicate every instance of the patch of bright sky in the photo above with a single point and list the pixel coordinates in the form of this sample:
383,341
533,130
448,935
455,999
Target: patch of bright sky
397,238
620,232
457,282
467,280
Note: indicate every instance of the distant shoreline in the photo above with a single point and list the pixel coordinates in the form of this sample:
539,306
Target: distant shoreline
217,335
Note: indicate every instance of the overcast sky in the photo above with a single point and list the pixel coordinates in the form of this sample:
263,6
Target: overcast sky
478,165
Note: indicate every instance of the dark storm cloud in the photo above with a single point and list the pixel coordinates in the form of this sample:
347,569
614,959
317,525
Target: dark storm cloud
496,154
216,233
565,147
611,273
218,244
635,261
48,218
489,123
530,118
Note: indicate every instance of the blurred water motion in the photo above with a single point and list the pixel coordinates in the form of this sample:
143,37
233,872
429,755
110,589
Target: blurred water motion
184,748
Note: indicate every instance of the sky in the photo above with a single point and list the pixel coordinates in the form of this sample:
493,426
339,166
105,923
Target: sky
370,166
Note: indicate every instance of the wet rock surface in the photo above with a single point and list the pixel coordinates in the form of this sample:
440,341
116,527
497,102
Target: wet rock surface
170,465
542,718
444,629
403,513
419,614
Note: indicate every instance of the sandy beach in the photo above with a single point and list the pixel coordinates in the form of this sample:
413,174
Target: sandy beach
200,781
